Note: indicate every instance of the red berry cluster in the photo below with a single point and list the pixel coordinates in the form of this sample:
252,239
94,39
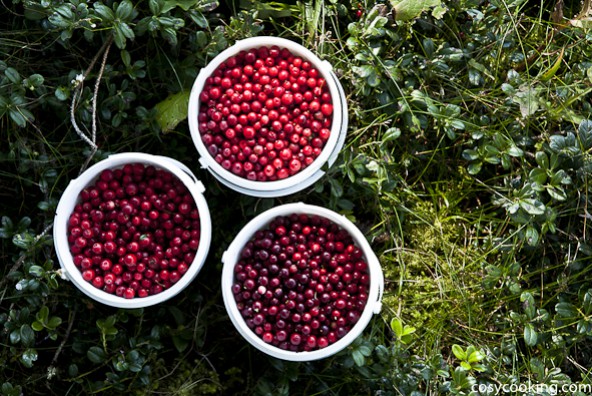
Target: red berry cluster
265,114
135,231
301,284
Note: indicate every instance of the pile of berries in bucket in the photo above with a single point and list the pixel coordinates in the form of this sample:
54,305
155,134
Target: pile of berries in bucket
135,231
301,284
270,116
265,114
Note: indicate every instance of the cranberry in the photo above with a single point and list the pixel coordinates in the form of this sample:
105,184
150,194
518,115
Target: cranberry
290,283
124,224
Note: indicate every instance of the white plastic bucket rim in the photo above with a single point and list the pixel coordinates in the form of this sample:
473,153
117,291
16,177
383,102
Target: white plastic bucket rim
308,175
231,256
70,198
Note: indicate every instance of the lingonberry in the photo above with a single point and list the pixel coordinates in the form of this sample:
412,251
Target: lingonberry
272,99
295,282
124,223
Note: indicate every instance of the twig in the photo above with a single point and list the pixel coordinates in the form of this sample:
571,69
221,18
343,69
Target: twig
78,93
17,264
66,336
15,267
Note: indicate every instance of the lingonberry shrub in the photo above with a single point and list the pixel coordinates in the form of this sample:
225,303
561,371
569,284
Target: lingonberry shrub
265,114
135,231
302,283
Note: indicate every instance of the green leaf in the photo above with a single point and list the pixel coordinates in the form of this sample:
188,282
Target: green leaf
532,236
15,336
13,75
126,58
566,310
457,124
515,151
532,206
475,168
475,357
126,30
466,366
373,80
156,6
528,99
35,12
365,349
120,364
408,330
397,327
22,240
530,335
407,10
96,355
585,134
557,193
560,177
104,12
37,326
439,11
180,343
33,81
118,38
28,357
470,154
392,133
107,325
336,188
537,175
43,314
23,223
135,361
36,270
27,335
62,93
171,111
359,359
363,71
201,39
184,4
124,10
17,117
73,370
54,322
542,159
553,69
459,352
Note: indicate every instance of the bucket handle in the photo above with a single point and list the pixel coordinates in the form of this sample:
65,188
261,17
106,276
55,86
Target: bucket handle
378,303
185,169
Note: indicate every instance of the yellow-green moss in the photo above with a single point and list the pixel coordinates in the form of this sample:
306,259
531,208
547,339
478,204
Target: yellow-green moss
431,278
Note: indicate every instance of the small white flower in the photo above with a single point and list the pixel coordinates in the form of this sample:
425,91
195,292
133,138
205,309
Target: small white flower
93,25
62,274
78,80
51,372
18,286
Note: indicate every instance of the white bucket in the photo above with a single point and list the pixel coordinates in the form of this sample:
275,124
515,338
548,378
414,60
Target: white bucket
308,175
69,200
231,257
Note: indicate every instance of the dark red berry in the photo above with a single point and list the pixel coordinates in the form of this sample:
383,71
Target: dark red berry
301,283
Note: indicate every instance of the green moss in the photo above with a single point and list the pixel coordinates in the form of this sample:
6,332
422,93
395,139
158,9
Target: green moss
192,377
433,278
